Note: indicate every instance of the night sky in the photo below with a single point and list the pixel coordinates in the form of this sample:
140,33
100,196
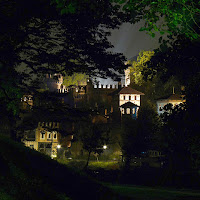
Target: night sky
130,41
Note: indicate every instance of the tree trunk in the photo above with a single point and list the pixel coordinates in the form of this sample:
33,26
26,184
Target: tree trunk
127,163
86,166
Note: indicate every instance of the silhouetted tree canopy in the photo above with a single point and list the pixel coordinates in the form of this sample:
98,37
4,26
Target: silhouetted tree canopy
36,39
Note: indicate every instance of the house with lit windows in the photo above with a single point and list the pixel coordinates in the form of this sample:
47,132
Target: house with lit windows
129,101
46,138
43,139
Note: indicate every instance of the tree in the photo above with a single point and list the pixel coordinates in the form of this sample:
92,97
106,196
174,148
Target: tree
165,16
94,135
75,79
137,67
140,135
176,141
149,125
38,40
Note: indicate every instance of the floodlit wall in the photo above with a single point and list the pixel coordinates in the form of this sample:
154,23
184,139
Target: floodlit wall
133,98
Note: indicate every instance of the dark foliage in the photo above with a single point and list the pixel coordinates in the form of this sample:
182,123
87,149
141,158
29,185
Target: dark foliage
30,175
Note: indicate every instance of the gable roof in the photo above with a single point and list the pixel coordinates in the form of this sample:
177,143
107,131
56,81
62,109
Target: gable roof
129,90
172,97
129,104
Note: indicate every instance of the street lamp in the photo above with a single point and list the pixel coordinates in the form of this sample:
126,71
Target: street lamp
105,147
58,146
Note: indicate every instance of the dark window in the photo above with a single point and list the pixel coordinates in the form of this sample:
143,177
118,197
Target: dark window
124,97
42,134
135,97
48,146
129,97
41,145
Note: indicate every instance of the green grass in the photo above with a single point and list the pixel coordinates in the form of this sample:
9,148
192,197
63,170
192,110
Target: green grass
26,174
110,165
150,193
93,165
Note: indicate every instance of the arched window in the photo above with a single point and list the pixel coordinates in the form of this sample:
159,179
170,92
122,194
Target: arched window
55,135
42,135
128,111
49,135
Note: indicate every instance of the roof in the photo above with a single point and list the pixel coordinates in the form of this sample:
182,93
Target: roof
171,97
129,104
129,90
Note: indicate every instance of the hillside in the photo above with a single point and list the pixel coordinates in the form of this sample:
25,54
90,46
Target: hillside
28,175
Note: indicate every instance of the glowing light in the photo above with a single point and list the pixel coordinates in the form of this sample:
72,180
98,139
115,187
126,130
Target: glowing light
105,147
58,146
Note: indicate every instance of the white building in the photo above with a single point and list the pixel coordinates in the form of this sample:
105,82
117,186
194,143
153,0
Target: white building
129,101
173,99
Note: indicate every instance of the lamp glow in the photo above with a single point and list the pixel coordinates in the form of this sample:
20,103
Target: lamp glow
104,147
58,146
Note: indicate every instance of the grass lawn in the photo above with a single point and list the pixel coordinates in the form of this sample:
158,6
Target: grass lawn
26,174
109,165
153,193
93,165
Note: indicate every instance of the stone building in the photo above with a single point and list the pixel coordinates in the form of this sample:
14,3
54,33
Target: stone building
46,138
107,98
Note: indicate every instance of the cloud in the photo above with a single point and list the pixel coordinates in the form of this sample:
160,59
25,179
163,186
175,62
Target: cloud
130,41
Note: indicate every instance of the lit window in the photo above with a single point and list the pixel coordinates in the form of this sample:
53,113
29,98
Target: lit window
128,111
133,110
132,97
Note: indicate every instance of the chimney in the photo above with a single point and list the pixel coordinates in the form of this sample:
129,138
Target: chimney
119,85
173,90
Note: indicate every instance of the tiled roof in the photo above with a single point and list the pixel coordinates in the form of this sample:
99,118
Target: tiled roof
129,104
172,97
129,90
